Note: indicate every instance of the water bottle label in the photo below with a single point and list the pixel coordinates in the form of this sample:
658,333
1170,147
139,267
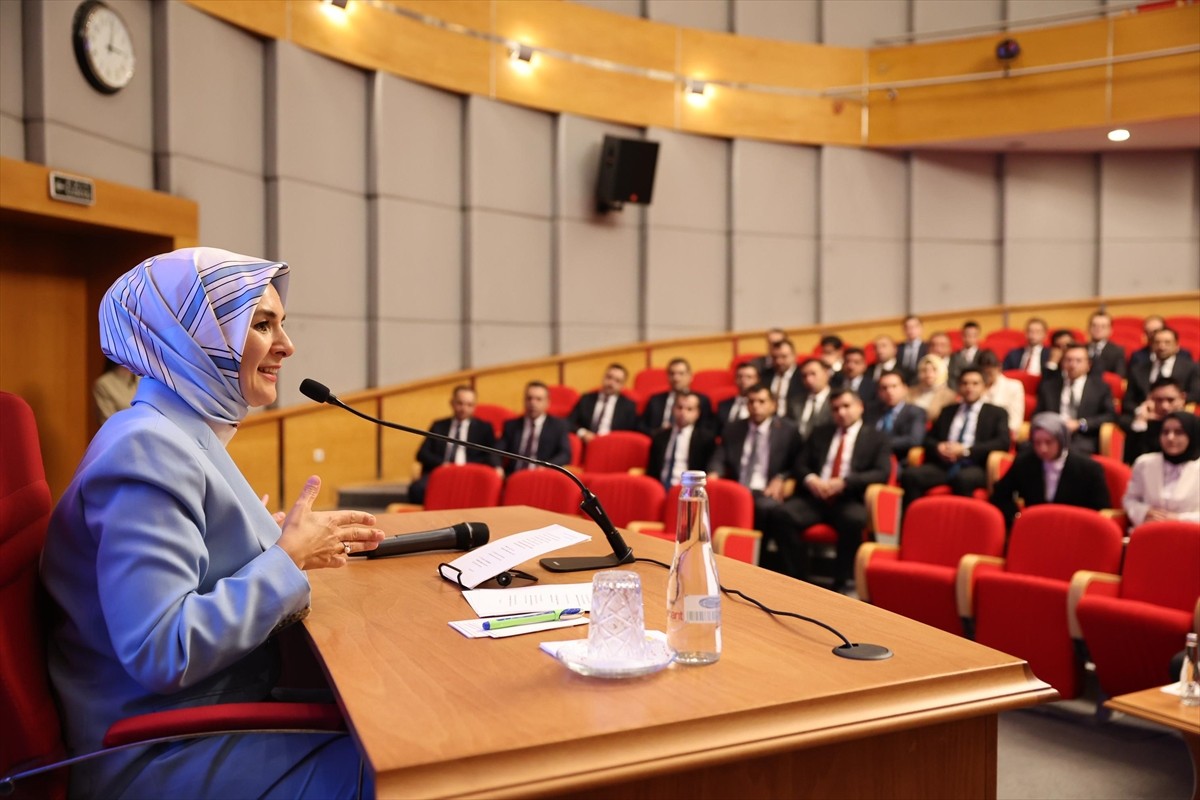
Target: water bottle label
702,608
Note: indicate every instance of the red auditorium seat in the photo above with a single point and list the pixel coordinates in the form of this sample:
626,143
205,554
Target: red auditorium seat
1003,340
463,486
651,380
576,451
1116,476
619,451
627,497
562,400
1019,604
731,515
917,578
496,415
1135,622
707,380
742,358
546,489
1117,384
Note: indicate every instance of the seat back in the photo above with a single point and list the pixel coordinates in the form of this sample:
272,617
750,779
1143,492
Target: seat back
495,415
729,503
618,451
941,530
1117,384
1162,565
1116,476
705,381
576,449
651,380
562,400
463,486
31,733
1003,340
1056,541
1028,382
546,489
627,497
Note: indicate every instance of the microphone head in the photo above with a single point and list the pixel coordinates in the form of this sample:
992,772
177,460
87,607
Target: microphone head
469,535
317,392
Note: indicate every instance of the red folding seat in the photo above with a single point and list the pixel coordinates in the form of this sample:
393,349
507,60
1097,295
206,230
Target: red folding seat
496,415
463,486
547,489
562,400
731,515
651,380
705,381
1116,475
627,497
619,451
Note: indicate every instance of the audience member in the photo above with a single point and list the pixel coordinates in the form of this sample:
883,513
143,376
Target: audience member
1080,396
1166,485
1150,326
1106,356
832,352
737,407
763,364
657,414
1143,423
683,446
1049,473
914,347
940,346
759,452
1002,391
1165,360
606,410
837,463
931,393
813,409
1033,356
886,361
903,422
782,378
958,445
854,376
968,354
536,434
462,425
1059,342
113,391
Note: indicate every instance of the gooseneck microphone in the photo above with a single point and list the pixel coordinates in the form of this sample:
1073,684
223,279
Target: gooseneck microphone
463,536
621,552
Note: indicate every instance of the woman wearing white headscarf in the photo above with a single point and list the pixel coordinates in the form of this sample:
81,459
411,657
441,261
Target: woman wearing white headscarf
168,574
1166,485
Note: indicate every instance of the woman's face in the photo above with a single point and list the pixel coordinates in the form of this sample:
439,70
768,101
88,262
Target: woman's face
267,345
928,373
1046,445
1173,439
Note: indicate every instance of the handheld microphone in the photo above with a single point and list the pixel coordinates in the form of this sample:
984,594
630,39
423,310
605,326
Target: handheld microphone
621,552
463,536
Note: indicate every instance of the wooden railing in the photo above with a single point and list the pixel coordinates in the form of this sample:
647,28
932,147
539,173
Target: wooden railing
278,450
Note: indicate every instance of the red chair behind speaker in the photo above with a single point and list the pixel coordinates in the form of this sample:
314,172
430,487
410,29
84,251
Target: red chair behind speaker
562,400
619,451
1116,476
627,497
463,486
495,415
546,489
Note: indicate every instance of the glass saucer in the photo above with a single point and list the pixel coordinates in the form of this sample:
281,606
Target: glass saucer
574,655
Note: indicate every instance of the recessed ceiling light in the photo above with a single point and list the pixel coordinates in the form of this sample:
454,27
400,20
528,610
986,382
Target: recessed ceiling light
1118,135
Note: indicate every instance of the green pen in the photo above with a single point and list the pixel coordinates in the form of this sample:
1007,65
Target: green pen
529,619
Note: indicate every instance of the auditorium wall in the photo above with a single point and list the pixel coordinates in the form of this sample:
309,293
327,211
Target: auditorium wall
430,231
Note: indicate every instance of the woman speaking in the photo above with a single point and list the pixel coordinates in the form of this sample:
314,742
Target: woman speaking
168,575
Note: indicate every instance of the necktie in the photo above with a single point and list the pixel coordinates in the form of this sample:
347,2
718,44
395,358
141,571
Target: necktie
666,420
530,447
669,463
810,411
962,434
452,449
752,461
598,417
1072,401
888,422
836,470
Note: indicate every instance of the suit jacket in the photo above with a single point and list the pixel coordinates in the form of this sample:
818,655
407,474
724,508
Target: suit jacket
433,453
656,408
1111,359
624,416
821,416
902,357
1095,406
1185,372
784,442
140,558
1013,358
959,362
1143,354
553,445
908,428
795,389
721,417
991,433
1081,484
876,369
870,460
700,450
867,389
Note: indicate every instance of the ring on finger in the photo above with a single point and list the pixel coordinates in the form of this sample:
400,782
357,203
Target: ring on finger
347,546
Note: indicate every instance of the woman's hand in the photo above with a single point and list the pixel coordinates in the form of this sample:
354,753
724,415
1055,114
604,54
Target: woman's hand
316,539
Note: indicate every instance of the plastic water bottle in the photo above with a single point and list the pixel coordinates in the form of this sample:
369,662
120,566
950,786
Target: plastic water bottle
693,590
1189,676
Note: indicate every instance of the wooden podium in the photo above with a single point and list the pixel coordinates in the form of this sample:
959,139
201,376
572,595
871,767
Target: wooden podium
440,715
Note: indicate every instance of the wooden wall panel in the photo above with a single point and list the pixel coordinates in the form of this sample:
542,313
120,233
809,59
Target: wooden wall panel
474,14
775,117
331,443
709,55
1147,89
417,408
506,387
702,354
585,372
256,449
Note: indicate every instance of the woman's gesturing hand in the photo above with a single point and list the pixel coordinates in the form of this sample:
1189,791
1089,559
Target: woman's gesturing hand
316,539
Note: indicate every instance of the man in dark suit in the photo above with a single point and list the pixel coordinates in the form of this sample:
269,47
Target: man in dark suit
737,407
1142,423
838,462
1105,356
783,378
914,347
536,434
886,361
958,445
903,422
813,407
1033,356
1081,396
462,425
1050,473
1150,326
598,413
759,453
854,376
966,355
657,414
683,446
1166,361
763,363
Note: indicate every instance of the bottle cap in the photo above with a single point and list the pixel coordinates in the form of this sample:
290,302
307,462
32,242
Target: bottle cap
693,477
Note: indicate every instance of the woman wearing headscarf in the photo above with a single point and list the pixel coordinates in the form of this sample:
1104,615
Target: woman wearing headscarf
168,575
931,392
1050,473
1166,485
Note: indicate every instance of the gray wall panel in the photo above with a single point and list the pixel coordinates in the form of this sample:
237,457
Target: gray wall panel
419,155
941,15
774,281
73,150
599,274
954,275
864,194
1037,271
12,91
331,351
232,205
688,285
499,343
579,144
575,337
691,181
861,279
411,349
632,8
420,262
508,157
792,21
323,233
509,260
1030,9
1050,197
710,14
774,188
859,23
12,137
955,197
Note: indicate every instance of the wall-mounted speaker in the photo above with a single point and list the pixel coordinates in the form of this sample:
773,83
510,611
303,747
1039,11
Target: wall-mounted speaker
626,173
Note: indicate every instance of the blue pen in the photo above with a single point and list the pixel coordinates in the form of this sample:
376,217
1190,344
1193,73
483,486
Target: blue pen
529,619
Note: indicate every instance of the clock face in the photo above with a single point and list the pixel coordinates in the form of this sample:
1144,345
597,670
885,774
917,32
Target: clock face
103,47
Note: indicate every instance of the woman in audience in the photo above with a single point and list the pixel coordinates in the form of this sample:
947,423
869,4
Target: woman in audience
931,392
168,574
1166,485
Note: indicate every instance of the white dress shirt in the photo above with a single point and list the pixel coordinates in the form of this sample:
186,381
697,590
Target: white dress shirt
956,427
609,404
459,429
681,446
1071,389
1009,394
851,436
812,406
779,387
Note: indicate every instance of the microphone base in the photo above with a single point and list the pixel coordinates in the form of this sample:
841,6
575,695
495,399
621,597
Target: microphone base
584,563
862,652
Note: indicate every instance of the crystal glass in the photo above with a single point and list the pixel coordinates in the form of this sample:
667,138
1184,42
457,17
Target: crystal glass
617,629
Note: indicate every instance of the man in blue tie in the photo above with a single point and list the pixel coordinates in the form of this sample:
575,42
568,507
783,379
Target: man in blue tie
903,422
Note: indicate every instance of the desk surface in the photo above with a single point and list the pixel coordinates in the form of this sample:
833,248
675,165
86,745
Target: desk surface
1159,706
441,715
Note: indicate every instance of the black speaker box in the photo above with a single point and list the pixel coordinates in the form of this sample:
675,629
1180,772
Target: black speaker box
626,173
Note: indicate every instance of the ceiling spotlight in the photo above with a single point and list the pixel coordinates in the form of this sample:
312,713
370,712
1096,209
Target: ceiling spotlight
1118,135
696,92
338,3
520,52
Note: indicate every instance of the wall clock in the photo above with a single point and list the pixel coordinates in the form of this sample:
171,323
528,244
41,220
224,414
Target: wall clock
103,47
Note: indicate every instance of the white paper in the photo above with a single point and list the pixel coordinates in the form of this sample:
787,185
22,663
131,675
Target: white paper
484,563
552,648
473,628
529,599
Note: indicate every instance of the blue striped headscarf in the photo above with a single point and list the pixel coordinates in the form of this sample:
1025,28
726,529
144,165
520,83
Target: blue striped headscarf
182,319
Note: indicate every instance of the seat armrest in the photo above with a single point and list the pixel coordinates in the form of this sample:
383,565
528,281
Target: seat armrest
866,552
645,526
1118,516
225,717
637,470
916,456
404,508
884,504
1196,616
1087,581
727,535
964,582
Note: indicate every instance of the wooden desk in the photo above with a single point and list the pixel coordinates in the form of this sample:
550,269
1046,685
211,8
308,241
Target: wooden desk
1157,706
439,715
